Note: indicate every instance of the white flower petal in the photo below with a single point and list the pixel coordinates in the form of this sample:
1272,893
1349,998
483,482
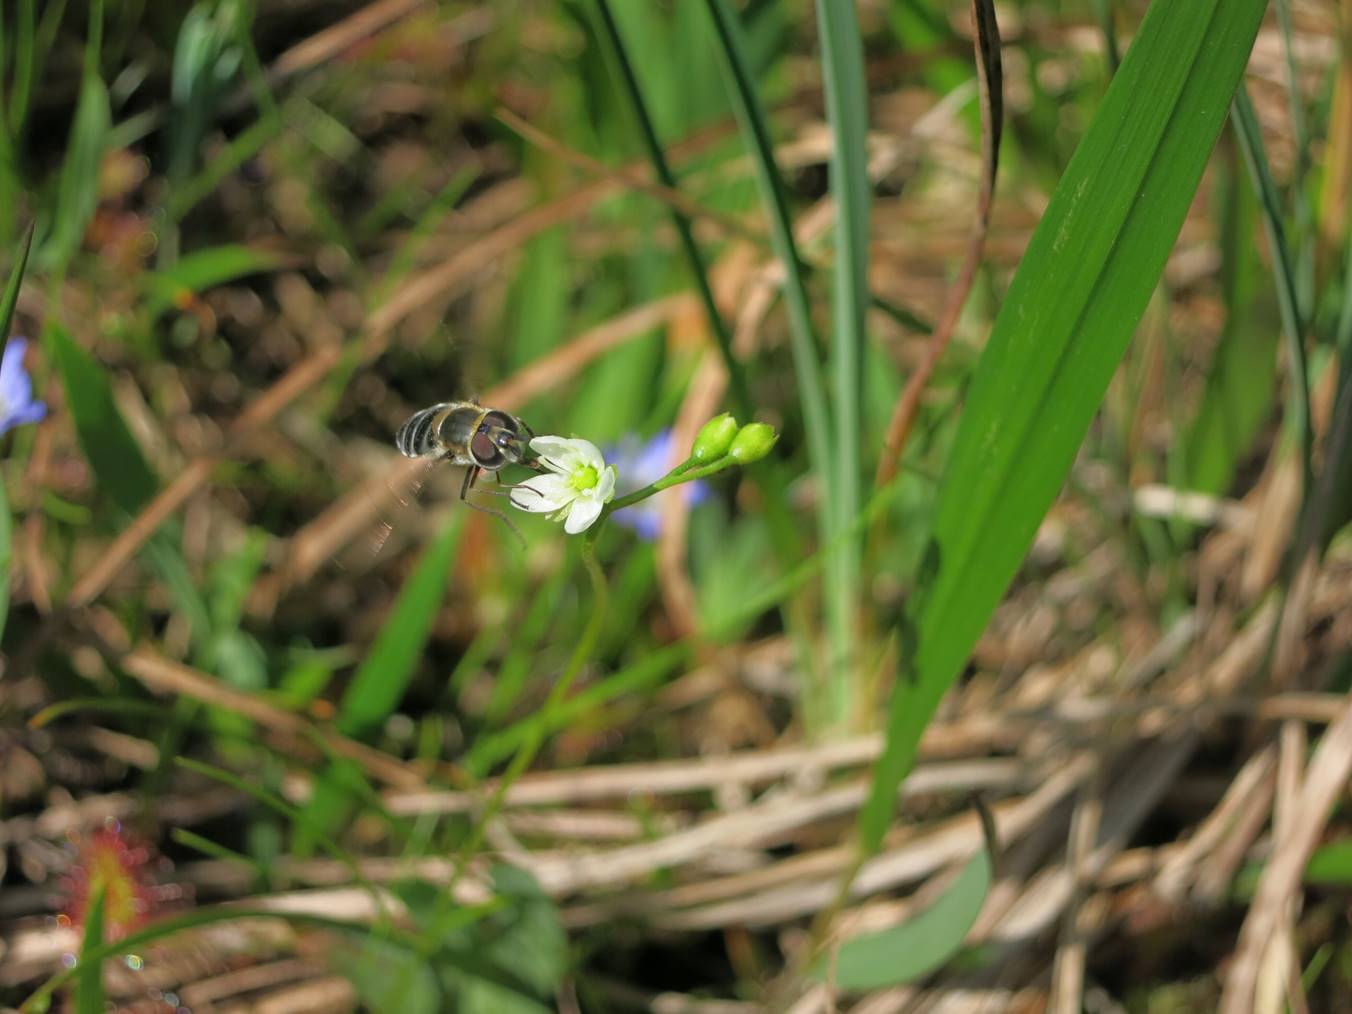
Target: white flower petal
558,453
604,490
582,515
542,494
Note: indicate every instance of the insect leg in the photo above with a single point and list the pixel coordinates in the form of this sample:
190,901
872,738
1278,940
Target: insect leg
471,474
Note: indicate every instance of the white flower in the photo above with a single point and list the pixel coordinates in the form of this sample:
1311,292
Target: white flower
580,483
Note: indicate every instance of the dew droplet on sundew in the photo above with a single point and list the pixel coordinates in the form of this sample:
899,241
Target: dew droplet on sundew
134,961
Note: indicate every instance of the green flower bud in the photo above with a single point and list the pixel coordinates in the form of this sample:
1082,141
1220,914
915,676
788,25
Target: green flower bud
714,439
753,442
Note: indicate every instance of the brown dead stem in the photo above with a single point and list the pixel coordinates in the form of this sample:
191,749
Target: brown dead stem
986,42
1279,884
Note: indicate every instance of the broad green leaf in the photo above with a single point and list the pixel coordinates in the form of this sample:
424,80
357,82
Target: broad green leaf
117,461
904,953
202,270
1071,308
89,996
382,678
388,977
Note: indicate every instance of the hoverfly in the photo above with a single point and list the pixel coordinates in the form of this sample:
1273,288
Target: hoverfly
466,433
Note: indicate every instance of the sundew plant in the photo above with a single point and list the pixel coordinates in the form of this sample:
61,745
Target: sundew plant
712,505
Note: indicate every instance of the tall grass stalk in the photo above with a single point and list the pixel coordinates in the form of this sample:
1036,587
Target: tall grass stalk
754,126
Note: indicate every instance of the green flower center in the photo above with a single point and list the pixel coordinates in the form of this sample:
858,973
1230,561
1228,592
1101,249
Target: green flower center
584,478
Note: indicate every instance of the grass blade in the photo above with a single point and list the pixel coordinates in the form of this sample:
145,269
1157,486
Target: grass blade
1103,9
1083,284
204,269
1284,274
803,342
1330,505
89,995
78,192
117,461
1237,396
384,674
847,111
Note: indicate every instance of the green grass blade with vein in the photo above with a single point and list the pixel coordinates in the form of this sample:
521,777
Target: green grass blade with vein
1082,286
847,111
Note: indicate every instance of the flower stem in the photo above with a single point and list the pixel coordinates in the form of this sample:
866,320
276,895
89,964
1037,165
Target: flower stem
686,472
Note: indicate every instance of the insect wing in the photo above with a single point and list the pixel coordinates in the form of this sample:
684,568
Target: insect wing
395,499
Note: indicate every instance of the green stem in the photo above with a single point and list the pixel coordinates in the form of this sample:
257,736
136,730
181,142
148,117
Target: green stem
687,472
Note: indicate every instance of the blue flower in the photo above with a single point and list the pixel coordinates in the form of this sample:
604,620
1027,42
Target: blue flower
17,404
641,463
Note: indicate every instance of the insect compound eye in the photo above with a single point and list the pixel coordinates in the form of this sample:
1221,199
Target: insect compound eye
502,422
484,451
505,434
